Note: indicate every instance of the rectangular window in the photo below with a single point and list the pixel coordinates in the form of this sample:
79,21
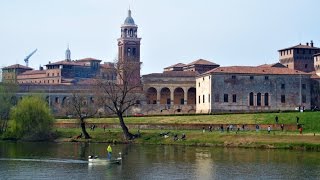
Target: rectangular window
304,99
266,77
181,101
199,84
225,98
209,98
306,66
216,98
283,99
283,86
234,98
251,77
303,86
203,98
199,100
133,51
233,77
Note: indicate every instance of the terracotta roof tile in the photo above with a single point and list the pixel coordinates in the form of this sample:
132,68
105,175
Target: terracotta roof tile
88,59
201,62
273,65
176,65
299,46
64,62
34,72
255,70
17,66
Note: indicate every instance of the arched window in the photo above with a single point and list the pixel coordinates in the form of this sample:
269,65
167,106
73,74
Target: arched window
266,99
251,99
259,99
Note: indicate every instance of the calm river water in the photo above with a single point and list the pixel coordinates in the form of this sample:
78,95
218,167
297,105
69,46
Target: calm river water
68,161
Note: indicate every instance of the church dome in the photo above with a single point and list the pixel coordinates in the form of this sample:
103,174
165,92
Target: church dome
129,20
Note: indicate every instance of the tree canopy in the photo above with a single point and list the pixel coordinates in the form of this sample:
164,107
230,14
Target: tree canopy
31,119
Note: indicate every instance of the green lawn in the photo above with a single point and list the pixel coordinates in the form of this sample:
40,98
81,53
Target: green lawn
310,120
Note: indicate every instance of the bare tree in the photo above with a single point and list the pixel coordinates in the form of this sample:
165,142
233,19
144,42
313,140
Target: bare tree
80,106
118,96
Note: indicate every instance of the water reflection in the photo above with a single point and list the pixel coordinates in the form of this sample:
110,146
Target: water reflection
69,160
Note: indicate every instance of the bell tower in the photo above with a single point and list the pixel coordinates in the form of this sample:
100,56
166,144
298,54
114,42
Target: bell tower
129,52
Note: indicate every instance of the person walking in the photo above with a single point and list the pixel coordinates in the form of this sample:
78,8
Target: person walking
276,119
109,150
269,129
282,127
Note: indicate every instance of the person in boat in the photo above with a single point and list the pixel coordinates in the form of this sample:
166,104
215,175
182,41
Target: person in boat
109,150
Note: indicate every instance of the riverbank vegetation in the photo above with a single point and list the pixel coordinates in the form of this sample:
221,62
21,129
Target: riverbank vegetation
31,119
309,120
287,139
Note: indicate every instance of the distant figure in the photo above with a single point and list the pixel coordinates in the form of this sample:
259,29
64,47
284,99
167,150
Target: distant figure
80,136
300,130
109,150
210,128
282,127
257,128
242,127
269,129
183,137
104,128
203,129
276,119
221,128
175,137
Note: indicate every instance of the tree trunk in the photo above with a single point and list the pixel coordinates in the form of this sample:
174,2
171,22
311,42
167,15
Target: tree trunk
125,129
83,128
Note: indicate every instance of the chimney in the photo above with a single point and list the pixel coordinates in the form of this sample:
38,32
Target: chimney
307,44
311,43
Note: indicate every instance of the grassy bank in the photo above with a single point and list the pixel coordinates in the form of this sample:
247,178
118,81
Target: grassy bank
310,120
245,139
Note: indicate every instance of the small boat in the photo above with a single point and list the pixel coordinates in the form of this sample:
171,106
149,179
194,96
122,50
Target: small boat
95,160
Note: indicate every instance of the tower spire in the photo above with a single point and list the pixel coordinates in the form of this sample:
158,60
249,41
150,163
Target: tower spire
68,54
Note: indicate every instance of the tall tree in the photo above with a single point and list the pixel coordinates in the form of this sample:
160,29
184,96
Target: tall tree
80,106
7,101
32,119
120,95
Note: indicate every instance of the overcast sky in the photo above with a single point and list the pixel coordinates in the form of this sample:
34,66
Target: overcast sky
227,32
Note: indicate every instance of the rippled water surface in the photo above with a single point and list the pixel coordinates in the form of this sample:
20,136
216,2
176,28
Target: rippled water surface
69,161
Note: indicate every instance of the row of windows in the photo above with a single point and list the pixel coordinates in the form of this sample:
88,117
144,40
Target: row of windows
40,81
303,98
52,74
303,86
298,51
258,101
235,77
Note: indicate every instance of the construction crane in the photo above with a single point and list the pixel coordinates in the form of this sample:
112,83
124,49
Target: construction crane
27,58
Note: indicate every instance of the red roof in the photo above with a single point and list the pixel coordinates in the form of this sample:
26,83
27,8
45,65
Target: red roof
201,62
17,66
65,62
255,70
34,72
87,59
175,65
299,46
273,65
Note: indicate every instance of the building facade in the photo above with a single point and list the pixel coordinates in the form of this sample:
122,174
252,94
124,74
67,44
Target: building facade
197,87
245,89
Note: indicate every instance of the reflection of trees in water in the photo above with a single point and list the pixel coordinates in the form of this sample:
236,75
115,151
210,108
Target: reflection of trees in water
84,147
